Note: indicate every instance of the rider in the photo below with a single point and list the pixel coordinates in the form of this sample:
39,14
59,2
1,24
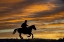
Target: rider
24,25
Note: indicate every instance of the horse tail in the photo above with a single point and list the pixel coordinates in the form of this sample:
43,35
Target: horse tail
14,31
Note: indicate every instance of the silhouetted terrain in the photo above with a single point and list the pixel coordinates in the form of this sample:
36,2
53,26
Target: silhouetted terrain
31,40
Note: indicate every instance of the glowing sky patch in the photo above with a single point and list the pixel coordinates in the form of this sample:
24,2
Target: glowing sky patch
46,15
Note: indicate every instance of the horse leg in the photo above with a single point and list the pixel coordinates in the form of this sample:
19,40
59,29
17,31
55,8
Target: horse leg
29,35
20,36
32,36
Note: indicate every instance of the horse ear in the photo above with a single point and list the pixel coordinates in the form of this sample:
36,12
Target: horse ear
33,25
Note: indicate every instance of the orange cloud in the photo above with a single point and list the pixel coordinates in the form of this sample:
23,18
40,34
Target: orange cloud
38,7
11,1
52,17
36,35
51,26
49,36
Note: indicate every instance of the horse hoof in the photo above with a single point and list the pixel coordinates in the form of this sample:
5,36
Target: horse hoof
21,38
28,36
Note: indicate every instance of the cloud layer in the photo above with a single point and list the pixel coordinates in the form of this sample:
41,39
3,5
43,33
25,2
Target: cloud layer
43,13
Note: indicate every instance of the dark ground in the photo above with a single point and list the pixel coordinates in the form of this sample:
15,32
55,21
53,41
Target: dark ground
31,40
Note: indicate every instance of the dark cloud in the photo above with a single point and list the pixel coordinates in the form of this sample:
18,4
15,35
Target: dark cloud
48,13
58,9
16,7
9,25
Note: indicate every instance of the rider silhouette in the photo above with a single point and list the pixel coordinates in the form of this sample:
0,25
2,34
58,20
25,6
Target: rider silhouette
24,25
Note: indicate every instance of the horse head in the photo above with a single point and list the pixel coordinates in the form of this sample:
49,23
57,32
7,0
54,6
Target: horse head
33,26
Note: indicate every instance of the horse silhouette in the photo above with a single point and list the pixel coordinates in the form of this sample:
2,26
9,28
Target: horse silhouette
27,31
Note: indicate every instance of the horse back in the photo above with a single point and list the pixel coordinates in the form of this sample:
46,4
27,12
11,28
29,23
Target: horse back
20,30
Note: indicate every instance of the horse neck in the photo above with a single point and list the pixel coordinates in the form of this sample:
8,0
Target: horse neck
30,27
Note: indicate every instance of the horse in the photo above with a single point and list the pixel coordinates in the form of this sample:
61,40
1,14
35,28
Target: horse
28,31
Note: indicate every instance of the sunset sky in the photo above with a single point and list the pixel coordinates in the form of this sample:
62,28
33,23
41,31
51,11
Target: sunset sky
46,15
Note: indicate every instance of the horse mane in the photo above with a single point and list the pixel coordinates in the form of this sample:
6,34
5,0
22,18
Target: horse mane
31,26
